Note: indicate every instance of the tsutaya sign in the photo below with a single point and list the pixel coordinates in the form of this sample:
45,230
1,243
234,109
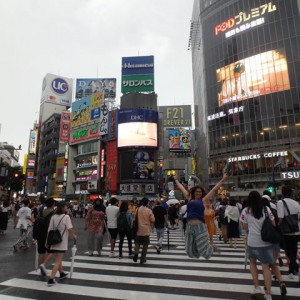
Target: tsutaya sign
245,20
290,175
258,156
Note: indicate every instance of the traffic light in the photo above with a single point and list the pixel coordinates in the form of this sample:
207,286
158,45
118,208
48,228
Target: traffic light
271,189
294,164
16,175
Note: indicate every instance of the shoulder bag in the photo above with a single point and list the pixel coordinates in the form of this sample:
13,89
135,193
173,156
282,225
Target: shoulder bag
268,231
54,236
290,222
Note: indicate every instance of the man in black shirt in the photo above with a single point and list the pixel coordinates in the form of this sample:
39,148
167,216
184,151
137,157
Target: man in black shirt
160,215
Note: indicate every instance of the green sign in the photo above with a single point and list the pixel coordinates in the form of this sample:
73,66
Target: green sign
137,83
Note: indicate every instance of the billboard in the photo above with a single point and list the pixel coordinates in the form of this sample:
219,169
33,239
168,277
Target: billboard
176,116
112,129
179,140
111,167
88,132
253,76
33,141
57,89
86,110
137,128
137,165
137,74
64,132
137,83
85,87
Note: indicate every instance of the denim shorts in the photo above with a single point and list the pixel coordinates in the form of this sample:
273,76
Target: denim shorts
266,255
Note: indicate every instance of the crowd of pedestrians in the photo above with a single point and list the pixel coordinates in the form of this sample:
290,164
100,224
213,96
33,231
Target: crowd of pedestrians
202,218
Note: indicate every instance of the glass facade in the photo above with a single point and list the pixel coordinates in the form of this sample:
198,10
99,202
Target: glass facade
250,57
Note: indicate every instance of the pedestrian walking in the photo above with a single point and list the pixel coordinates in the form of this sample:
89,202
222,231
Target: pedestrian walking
183,215
252,218
145,222
4,210
23,222
232,215
285,207
61,221
124,223
95,225
161,221
112,214
209,218
40,229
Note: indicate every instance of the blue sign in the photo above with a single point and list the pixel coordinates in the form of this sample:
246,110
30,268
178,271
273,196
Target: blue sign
137,115
60,86
138,65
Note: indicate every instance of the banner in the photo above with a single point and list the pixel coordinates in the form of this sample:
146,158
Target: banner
64,133
33,141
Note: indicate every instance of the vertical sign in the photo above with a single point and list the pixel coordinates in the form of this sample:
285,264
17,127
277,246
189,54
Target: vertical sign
65,123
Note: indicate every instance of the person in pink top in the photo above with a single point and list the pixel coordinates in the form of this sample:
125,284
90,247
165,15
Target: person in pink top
146,220
94,224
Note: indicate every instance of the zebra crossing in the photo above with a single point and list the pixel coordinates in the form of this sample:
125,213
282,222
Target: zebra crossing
168,275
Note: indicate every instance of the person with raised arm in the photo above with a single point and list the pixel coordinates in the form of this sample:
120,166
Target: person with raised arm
196,238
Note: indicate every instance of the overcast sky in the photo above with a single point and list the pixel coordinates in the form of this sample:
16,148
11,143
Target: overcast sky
87,39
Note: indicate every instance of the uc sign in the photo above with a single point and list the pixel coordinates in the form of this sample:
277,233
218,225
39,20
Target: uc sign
60,86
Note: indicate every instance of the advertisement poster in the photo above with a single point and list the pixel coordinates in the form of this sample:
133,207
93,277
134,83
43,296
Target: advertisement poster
87,109
179,140
253,76
85,87
33,141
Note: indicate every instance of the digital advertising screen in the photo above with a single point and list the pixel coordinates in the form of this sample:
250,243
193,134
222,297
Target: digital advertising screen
137,128
137,165
254,76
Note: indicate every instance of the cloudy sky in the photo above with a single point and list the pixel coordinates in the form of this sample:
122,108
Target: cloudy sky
85,39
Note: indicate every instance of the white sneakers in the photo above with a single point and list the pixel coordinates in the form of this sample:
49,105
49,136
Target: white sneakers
256,291
112,254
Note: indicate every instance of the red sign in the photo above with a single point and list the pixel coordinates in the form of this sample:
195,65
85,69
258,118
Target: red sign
111,167
64,133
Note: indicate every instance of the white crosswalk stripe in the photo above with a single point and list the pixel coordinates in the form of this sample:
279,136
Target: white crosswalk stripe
168,275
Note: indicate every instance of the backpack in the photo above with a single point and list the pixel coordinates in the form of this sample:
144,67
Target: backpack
122,222
41,224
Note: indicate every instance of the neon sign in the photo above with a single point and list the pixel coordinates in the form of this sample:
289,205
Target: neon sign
244,20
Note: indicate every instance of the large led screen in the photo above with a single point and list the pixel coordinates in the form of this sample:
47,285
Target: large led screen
137,128
137,165
253,76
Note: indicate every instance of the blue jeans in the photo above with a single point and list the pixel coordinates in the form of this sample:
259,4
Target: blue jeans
160,236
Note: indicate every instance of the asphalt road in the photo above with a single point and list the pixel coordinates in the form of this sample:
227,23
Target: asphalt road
16,264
